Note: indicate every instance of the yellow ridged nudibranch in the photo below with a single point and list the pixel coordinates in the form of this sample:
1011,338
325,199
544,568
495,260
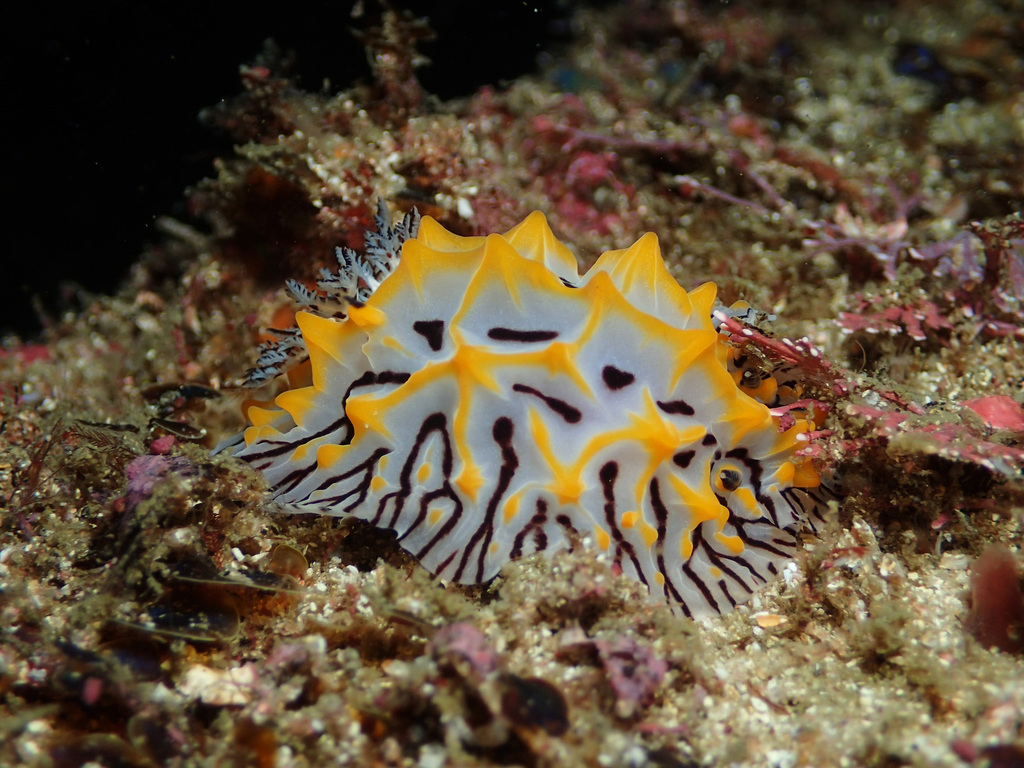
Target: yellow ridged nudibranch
485,401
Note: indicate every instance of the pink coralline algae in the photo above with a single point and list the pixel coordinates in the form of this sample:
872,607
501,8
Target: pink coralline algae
144,473
920,320
635,673
462,642
633,670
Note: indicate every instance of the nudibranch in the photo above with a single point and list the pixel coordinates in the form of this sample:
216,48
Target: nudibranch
483,400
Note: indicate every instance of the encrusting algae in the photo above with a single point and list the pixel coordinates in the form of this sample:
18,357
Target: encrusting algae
155,609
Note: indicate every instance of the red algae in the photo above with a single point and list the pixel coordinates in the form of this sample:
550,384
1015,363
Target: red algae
996,617
999,411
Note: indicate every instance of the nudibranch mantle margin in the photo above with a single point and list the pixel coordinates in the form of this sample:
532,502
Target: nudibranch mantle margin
485,401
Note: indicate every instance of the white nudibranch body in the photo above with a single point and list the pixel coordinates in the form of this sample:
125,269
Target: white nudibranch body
483,400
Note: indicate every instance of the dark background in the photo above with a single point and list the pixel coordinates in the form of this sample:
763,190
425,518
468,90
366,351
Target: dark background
103,134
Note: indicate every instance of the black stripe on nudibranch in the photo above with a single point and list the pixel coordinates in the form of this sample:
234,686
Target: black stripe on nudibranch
616,378
697,538
359,491
535,527
502,432
569,413
432,331
719,560
676,407
526,337
565,522
661,517
808,504
608,474
281,447
392,377
755,543
435,422
683,458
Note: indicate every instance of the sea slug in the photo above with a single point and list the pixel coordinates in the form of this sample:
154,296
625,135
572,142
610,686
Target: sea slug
485,401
